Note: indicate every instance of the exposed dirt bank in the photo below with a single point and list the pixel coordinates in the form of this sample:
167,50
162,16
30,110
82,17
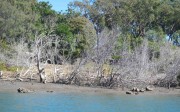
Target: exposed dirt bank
7,86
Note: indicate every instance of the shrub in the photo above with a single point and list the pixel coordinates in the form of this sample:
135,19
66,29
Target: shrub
2,66
6,67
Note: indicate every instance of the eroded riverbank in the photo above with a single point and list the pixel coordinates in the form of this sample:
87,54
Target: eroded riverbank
7,86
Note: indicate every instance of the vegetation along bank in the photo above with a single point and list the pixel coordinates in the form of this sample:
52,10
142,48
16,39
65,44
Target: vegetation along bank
96,43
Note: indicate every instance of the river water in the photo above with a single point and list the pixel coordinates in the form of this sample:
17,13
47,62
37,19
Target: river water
75,102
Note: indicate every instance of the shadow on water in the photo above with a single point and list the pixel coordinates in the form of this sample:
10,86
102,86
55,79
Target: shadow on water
71,102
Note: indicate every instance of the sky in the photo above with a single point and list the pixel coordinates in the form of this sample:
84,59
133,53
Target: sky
58,5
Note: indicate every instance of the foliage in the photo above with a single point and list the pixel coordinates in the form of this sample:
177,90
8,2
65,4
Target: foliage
106,69
3,45
78,27
76,33
176,38
6,67
17,19
135,17
47,17
131,32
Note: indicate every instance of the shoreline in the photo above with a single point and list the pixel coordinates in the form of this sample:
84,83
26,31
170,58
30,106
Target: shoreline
8,86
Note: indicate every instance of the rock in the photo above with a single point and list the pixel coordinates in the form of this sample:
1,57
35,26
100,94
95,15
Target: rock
136,93
49,91
149,88
129,92
135,89
142,90
23,90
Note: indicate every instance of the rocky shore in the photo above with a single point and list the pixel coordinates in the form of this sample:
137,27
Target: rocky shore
8,86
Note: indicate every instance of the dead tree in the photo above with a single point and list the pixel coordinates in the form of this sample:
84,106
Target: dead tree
102,52
40,69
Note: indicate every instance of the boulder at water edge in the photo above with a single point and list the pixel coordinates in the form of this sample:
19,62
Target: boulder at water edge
149,88
129,92
23,90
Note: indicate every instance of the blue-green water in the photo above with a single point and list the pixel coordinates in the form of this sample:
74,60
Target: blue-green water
73,102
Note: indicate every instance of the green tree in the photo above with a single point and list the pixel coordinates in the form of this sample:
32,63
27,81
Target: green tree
176,38
17,19
168,16
47,17
132,17
76,32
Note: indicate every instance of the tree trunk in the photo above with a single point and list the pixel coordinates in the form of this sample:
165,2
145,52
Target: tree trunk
41,71
42,76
